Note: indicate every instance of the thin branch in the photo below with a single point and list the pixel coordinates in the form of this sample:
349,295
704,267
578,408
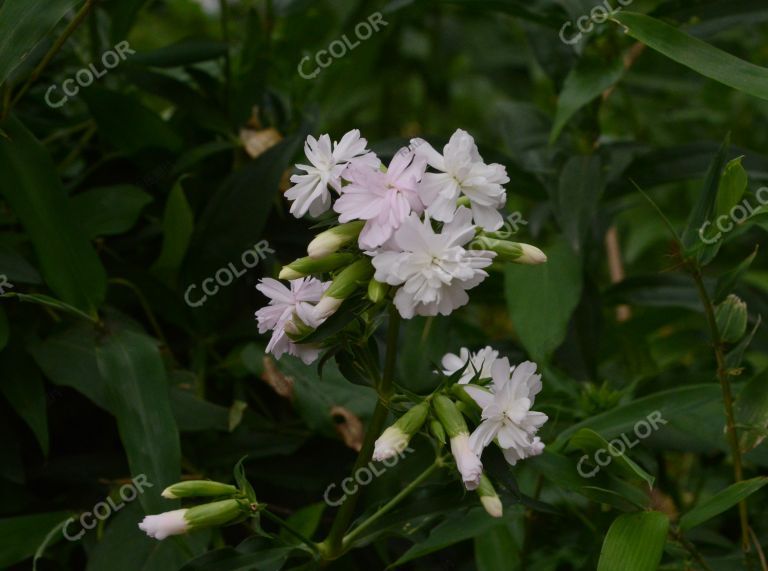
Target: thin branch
722,376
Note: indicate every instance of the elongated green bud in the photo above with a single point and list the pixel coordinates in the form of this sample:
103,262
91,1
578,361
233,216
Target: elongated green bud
449,416
214,514
395,438
181,521
489,498
198,488
516,252
731,317
344,285
437,431
350,278
331,240
377,291
308,266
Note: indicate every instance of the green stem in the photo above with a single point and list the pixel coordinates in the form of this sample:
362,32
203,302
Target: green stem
386,508
290,529
332,546
722,376
60,41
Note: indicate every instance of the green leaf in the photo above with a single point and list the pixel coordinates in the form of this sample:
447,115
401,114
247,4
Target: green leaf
460,527
752,412
575,201
542,298
68,359
137,391
315,397
700,56
733,185
588,80
634,542
704,207
123,15
178,224
721,502
229,559
109,210
124,547
22,385
235,216
69,264
672,404
20,536
16,268
181,53
126,124
305,520
590,442
727,281
497,550
23,23
599,486
42,299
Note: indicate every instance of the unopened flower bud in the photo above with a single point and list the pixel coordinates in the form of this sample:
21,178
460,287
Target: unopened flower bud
731,317
437,431
331,240
377,291
198,488
308,266
395,438
516,252
343,285
181,521
468,463
489,498
214,514
449,416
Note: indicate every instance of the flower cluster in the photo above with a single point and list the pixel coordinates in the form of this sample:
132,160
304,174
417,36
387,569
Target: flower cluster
502,394
420,231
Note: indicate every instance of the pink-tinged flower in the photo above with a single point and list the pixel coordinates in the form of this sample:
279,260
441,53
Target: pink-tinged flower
433,269
462,172
383,199
284,304
310,192
507,415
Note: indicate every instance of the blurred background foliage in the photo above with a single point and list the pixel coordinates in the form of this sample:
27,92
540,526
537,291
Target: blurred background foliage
171,165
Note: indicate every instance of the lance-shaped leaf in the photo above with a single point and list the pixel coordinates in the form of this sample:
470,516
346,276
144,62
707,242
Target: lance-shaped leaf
700,56
634,542
68,262
721,502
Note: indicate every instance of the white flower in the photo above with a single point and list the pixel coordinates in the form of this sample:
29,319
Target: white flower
383,199
433,269
462,171
165,524
480,363
278,315
391,443
310,191
507,414
467,461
